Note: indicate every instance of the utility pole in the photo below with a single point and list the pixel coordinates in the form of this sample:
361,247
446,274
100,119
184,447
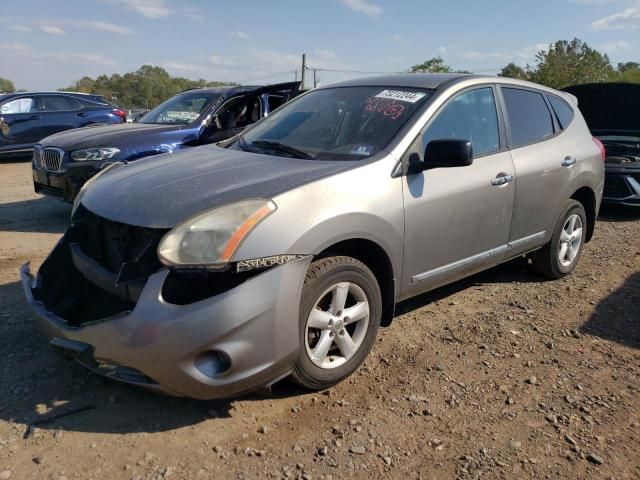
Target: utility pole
304,70
315,80
296,75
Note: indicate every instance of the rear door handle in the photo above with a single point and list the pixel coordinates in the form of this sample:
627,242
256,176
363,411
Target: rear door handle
82,114
35,117
501,179
568,161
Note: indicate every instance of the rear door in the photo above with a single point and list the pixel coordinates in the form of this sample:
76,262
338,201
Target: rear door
457,219
544,162
59,113
19,121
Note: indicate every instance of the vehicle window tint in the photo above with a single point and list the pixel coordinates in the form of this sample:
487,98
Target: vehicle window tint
564,113
19,105
470,116
529,117
59,103
239,113
275,101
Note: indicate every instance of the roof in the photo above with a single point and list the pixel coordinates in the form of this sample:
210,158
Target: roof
412,80
56,92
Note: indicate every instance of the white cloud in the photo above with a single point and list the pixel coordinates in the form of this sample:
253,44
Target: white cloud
485,56
629,18
323,54
183,67
21,28
18,50
147,8
93,25
442,50
240,35
364,6
612,47
528,54
52,29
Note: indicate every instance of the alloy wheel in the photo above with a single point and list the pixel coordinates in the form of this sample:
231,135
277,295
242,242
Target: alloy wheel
570,240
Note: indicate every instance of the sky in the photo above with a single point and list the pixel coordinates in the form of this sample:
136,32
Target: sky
49,44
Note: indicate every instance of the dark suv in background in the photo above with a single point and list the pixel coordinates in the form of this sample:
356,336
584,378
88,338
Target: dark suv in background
62,163
28,117
611,111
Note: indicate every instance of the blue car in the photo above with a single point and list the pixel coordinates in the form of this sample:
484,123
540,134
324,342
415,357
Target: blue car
62,163
28,117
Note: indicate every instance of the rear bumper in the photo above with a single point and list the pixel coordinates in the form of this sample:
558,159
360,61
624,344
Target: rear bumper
166,347
622,186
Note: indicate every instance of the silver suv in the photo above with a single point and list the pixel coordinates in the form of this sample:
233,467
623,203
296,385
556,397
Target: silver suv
222,269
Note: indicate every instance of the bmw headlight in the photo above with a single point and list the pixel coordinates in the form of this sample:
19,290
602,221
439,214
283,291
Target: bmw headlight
211,238
94,154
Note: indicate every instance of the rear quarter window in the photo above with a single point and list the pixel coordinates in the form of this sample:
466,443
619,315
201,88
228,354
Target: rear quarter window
530,120
564,113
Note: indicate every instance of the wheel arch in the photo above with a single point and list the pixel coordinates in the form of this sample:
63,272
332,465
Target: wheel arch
587,197
376,258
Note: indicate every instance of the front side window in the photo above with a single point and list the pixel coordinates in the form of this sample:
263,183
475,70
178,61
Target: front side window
342,123
564,113
529,118
19,105
59,103
470,116
183,109
239,112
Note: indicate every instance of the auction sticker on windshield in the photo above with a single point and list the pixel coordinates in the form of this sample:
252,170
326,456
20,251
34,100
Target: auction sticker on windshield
411,97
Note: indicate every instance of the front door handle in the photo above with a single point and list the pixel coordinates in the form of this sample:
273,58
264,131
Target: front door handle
82,114
35,117
501,179
568,161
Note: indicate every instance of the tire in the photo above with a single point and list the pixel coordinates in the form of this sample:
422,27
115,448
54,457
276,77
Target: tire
547,261
325,278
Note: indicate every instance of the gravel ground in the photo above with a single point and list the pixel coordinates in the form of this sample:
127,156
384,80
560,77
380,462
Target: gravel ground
503,375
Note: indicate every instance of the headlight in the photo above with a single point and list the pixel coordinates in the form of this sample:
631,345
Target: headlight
94,154
212,238
105,168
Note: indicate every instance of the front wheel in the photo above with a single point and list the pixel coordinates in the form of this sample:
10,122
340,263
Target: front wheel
340,312
560,256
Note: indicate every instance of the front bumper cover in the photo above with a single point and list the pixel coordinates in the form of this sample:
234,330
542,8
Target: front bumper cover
255,324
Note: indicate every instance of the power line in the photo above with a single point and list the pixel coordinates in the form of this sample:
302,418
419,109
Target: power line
277,74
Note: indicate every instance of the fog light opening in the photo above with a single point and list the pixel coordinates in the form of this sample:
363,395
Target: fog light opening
213,363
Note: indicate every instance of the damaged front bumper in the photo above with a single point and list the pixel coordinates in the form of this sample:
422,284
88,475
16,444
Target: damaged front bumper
239,340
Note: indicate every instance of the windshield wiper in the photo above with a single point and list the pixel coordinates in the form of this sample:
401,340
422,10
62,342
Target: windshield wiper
281,147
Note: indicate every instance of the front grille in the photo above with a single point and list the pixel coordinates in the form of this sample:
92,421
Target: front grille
37,158
616,187
52,158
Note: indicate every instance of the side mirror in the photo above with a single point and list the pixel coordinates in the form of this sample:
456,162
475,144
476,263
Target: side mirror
444,153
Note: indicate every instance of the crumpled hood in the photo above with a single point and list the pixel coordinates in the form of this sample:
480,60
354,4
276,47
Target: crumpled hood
128,137
162,191
609,107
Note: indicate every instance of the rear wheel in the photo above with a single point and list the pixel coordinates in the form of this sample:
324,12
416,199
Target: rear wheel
560,256
340,313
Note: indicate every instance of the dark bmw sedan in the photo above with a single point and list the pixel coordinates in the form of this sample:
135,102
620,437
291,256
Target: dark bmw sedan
28,117
611,111
62,163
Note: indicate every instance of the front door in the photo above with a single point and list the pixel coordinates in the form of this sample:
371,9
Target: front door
457,219
19,123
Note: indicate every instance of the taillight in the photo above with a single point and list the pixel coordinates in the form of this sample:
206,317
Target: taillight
119,112
603,151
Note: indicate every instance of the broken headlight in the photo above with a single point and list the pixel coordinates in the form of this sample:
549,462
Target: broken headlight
211,238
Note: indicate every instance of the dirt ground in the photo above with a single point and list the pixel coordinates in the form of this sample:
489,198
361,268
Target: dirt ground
503,375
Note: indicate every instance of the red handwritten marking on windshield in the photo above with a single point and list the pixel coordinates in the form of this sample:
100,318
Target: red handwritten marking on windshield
389,108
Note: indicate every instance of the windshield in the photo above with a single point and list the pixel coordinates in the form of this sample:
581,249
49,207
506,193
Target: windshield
342,123
183,109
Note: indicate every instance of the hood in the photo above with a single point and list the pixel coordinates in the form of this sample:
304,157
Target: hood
162,191
128,137
609,108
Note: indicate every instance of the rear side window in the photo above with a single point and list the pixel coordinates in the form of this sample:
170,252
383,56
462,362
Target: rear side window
19,105
469,116
564,113
59,103
529,118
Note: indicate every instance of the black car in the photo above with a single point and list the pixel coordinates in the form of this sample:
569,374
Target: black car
62,163
28,117
611,111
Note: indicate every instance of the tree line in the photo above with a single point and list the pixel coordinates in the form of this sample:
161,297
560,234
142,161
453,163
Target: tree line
564,63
